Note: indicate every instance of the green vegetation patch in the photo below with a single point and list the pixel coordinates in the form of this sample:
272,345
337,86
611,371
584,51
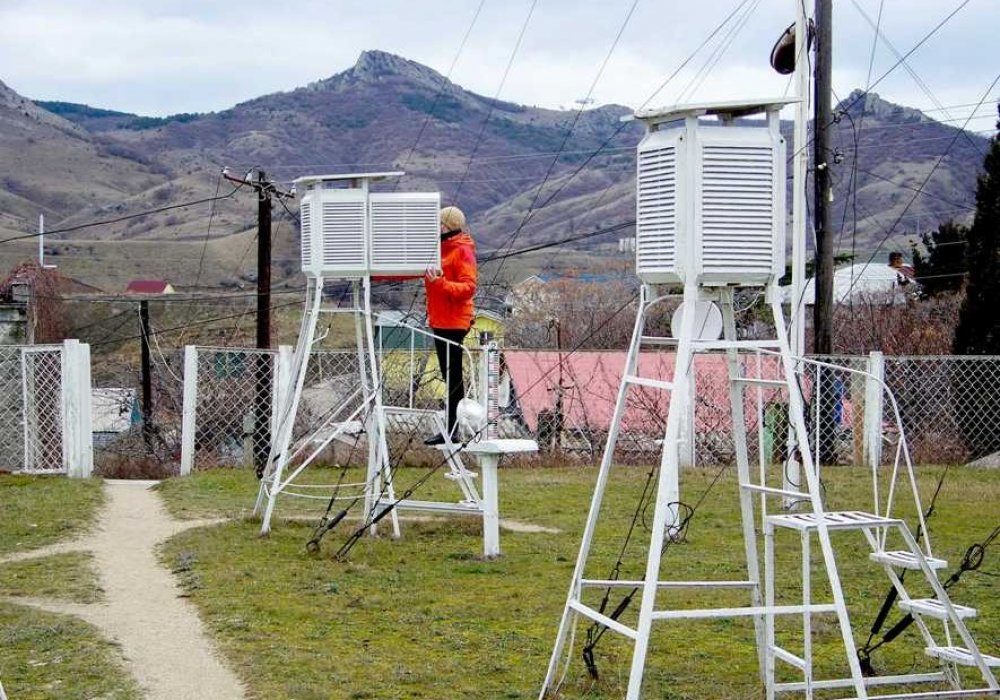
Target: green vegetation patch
40,510
55,657
70,576
425,616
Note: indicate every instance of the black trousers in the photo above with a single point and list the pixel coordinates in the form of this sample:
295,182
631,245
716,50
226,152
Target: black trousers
450,361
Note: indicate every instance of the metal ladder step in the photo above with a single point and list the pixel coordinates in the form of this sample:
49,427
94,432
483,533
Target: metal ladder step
936,695
646,381
834,520
932,607
906,559
960,656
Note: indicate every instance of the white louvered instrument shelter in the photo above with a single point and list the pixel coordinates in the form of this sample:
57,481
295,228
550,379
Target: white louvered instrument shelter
351,232
710,195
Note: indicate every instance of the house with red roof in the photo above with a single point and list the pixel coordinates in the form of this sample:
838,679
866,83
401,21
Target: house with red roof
149,287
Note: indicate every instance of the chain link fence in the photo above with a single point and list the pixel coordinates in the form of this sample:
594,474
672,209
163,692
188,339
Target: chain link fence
566,401
949,406
233,397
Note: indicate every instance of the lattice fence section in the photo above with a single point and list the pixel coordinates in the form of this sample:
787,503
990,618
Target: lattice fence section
950,405
234,405
31,411
237,393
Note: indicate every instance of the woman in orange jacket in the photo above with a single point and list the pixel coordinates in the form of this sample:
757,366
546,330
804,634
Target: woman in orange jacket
450,289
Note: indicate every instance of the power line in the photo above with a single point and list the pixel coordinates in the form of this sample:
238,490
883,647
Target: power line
624,124
126,217
569,131
444,81
496,98
889,232
899,62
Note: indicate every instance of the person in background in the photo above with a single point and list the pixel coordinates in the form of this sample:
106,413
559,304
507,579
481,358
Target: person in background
450,290
904,272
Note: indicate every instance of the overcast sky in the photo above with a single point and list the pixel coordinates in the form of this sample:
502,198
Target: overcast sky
155,57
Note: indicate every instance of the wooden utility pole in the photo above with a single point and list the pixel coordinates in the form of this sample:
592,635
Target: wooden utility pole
826,396
263,261
262,366
823,308
262,393
147,381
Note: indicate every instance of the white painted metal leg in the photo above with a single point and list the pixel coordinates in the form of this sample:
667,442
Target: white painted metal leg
667,495
568,616
491,505
807,616
736,397
769,603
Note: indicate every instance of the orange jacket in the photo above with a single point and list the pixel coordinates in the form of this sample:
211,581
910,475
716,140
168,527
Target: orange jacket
449,297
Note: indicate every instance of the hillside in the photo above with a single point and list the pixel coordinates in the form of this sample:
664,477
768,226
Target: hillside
79,163
54,167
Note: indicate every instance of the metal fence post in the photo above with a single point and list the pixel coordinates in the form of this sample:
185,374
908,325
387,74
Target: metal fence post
873,409
189,411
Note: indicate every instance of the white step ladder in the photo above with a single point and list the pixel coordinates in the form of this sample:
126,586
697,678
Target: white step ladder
810,520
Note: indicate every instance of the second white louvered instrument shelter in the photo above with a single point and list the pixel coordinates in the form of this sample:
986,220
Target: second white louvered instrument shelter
710,195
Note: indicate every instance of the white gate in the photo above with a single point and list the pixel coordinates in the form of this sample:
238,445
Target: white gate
45,412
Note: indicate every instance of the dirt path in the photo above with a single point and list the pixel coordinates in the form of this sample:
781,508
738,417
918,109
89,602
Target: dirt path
159,632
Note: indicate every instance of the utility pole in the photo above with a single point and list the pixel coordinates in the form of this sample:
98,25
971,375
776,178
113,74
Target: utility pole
147,381
263,261
823,309
825,395
263,366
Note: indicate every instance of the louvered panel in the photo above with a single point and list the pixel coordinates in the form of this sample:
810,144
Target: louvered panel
656,220
737,208
405,232
305,214
342,229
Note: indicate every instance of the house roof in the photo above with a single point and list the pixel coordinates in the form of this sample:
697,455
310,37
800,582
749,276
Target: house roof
591,380
149,287
858,280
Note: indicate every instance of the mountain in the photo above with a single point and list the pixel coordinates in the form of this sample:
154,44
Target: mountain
54,167
910,172
489,156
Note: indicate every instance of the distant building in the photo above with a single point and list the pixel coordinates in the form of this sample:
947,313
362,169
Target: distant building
862,281
486,326
394,330
149,287
113,411
14,326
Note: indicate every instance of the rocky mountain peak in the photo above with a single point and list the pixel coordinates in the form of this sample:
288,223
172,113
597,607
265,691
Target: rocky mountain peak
375,66
871,105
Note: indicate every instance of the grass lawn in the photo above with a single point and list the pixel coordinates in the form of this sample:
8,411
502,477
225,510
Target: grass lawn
425,617
69,576
46,656
40,510
57,657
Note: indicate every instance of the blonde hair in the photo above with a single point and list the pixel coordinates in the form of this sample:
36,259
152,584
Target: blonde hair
453,219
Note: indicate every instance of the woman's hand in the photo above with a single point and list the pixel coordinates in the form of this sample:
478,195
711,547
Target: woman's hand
433,273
